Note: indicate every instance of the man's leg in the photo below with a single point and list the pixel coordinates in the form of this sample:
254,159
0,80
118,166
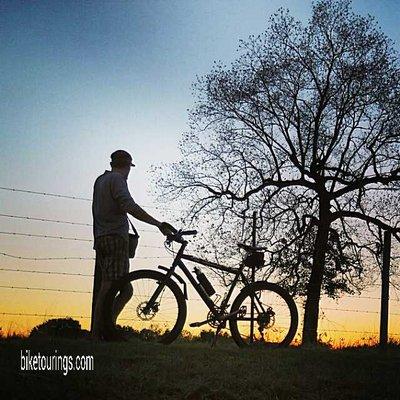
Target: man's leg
123,297
98,312
96,287
123,268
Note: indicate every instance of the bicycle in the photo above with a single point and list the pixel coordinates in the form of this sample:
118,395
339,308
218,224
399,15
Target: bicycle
262,312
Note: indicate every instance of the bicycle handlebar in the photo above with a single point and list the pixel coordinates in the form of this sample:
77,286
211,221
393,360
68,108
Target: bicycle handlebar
192,232
177,237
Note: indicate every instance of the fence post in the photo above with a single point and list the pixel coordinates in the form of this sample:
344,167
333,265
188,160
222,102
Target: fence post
383,332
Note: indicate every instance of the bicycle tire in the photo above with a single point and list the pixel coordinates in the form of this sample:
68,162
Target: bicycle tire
170,335
257,287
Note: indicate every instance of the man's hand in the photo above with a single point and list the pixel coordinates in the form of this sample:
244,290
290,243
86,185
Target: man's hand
167,229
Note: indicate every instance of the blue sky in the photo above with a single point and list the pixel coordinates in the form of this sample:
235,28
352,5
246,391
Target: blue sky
81,79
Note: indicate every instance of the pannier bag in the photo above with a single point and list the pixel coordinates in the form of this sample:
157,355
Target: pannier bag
133,240
254,259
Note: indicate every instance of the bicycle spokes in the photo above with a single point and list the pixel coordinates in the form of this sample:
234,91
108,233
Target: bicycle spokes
140,313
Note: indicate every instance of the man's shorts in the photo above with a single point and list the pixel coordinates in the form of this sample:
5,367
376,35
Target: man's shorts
113,256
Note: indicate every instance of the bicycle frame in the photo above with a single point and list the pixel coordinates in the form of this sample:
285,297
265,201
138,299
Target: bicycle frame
177,262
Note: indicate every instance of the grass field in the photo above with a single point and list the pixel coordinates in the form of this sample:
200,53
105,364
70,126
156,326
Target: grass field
139,370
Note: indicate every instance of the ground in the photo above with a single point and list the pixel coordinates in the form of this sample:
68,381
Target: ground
194,371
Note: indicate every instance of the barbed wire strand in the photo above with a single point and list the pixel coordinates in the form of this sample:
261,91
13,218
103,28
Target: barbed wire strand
63,196
45,315
44,272
64,238
45,258
45,289
74,258
353,331
60,221
68,316
66,291
365,298
45,236
355,310
44,219
45,193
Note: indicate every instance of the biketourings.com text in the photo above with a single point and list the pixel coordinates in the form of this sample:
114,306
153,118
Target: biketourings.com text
55,362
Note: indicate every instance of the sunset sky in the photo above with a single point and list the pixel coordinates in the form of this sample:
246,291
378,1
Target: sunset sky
82,79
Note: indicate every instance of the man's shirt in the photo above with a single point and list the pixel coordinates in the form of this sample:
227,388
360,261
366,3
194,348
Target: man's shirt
111,201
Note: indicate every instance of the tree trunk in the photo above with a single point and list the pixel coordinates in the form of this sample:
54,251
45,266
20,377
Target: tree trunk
311,309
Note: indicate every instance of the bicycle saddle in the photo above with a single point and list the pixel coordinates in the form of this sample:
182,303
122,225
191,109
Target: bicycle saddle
246,247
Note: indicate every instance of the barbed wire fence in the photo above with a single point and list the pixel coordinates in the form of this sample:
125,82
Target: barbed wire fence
327,326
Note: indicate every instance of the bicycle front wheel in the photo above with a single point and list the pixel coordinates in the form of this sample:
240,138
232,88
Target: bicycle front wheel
161,320
264,313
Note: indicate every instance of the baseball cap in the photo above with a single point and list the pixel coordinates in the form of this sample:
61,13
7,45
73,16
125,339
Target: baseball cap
121,158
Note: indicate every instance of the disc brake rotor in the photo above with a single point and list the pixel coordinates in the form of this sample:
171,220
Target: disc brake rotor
266,320
145,313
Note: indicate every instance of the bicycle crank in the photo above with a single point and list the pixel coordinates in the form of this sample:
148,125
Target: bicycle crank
215,320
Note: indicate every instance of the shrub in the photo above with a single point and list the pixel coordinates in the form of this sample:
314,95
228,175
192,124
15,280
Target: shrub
59,327
206,336
128,331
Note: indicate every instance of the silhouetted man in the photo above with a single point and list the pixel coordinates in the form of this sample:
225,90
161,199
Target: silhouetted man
111,203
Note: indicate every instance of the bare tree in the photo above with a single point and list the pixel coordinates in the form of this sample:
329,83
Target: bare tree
304,128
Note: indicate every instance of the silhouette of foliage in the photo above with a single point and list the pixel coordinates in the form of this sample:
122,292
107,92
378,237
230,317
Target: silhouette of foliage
127,331
59,327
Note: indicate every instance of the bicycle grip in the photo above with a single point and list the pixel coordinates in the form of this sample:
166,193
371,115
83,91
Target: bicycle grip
192,232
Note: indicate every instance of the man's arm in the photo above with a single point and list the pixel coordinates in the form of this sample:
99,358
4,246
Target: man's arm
136,211
120,192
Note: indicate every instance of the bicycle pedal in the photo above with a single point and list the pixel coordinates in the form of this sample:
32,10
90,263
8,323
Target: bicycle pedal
197,324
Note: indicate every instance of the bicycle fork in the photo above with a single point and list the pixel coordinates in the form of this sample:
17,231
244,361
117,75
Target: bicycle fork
153,299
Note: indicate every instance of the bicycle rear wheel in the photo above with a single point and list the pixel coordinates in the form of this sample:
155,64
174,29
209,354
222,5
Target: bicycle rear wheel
162,320
270,310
